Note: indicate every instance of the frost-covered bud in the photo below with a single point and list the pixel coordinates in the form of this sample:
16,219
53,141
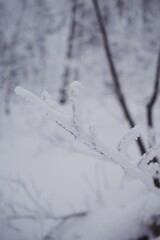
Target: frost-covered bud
46,97
75,89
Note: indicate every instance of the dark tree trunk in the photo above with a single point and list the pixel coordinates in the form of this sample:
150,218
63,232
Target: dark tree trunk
69,54
118,90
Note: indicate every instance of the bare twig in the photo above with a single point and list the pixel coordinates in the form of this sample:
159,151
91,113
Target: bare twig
154,96
150,107
11,68
118,89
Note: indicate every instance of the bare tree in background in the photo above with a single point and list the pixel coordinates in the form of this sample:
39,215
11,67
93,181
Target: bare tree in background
119,93
69,53
118,89
9,58
152,102
120,5
25,25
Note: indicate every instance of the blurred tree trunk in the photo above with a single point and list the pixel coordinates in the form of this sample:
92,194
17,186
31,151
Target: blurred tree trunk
23,34
69,53
150,106
153,100
114,74
120,5
10,65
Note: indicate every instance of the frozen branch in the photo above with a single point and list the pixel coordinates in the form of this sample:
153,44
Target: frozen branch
89,139
128,139
46,110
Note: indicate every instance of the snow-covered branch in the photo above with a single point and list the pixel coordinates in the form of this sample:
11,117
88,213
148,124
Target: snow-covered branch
73,125
128,139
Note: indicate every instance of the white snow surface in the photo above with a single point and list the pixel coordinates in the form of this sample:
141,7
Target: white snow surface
65,177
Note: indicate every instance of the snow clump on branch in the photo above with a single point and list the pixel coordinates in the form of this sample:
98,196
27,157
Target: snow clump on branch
73,125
